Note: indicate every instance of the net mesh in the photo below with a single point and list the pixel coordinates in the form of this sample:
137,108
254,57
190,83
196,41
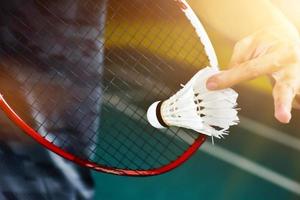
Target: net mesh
84,72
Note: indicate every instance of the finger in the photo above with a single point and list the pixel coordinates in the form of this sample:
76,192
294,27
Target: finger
260,50
241,52
291,75
246,71
284,94
251,69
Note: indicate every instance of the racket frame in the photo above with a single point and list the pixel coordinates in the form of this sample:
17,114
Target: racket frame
209,50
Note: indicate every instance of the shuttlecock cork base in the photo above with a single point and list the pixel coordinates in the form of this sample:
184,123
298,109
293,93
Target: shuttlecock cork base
195,107
154,115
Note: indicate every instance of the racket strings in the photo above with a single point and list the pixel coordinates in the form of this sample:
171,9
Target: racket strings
182,30
144,121
125,158
141,116
53,140
51,47
42,123
136,62
132,139
139,64
144,46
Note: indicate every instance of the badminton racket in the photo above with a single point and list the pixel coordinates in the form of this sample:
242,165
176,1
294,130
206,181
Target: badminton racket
82,88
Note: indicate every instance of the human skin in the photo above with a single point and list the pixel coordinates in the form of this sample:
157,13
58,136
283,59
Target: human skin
267,44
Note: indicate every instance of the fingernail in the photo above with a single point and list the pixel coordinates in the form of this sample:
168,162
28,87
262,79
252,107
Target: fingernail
211,85
283,114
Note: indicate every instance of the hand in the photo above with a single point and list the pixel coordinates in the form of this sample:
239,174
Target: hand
272,51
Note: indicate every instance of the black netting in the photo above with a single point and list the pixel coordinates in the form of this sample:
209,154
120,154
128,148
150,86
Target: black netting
84,72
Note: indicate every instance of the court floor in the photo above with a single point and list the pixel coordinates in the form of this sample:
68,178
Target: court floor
258,160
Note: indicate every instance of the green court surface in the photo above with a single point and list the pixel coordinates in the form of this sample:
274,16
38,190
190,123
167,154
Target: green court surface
258,160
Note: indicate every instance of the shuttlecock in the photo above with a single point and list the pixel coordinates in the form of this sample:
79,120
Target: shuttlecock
195,107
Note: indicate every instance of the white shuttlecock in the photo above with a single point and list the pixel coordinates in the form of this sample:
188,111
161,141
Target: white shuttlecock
195,107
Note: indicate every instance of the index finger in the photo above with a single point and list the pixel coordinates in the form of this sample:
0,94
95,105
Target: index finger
251,69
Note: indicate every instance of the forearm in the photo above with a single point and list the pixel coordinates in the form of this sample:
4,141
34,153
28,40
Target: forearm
237,18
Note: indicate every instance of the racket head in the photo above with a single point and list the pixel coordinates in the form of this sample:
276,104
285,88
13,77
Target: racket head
147,49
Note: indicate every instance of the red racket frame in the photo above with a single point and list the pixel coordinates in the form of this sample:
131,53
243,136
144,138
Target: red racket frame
12,115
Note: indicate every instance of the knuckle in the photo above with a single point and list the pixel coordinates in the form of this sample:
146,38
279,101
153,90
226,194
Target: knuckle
243,43
285,89
251,71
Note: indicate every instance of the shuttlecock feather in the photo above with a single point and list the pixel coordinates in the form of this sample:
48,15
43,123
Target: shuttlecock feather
195,107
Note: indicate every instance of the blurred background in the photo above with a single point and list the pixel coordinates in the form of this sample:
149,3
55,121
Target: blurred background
258,160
